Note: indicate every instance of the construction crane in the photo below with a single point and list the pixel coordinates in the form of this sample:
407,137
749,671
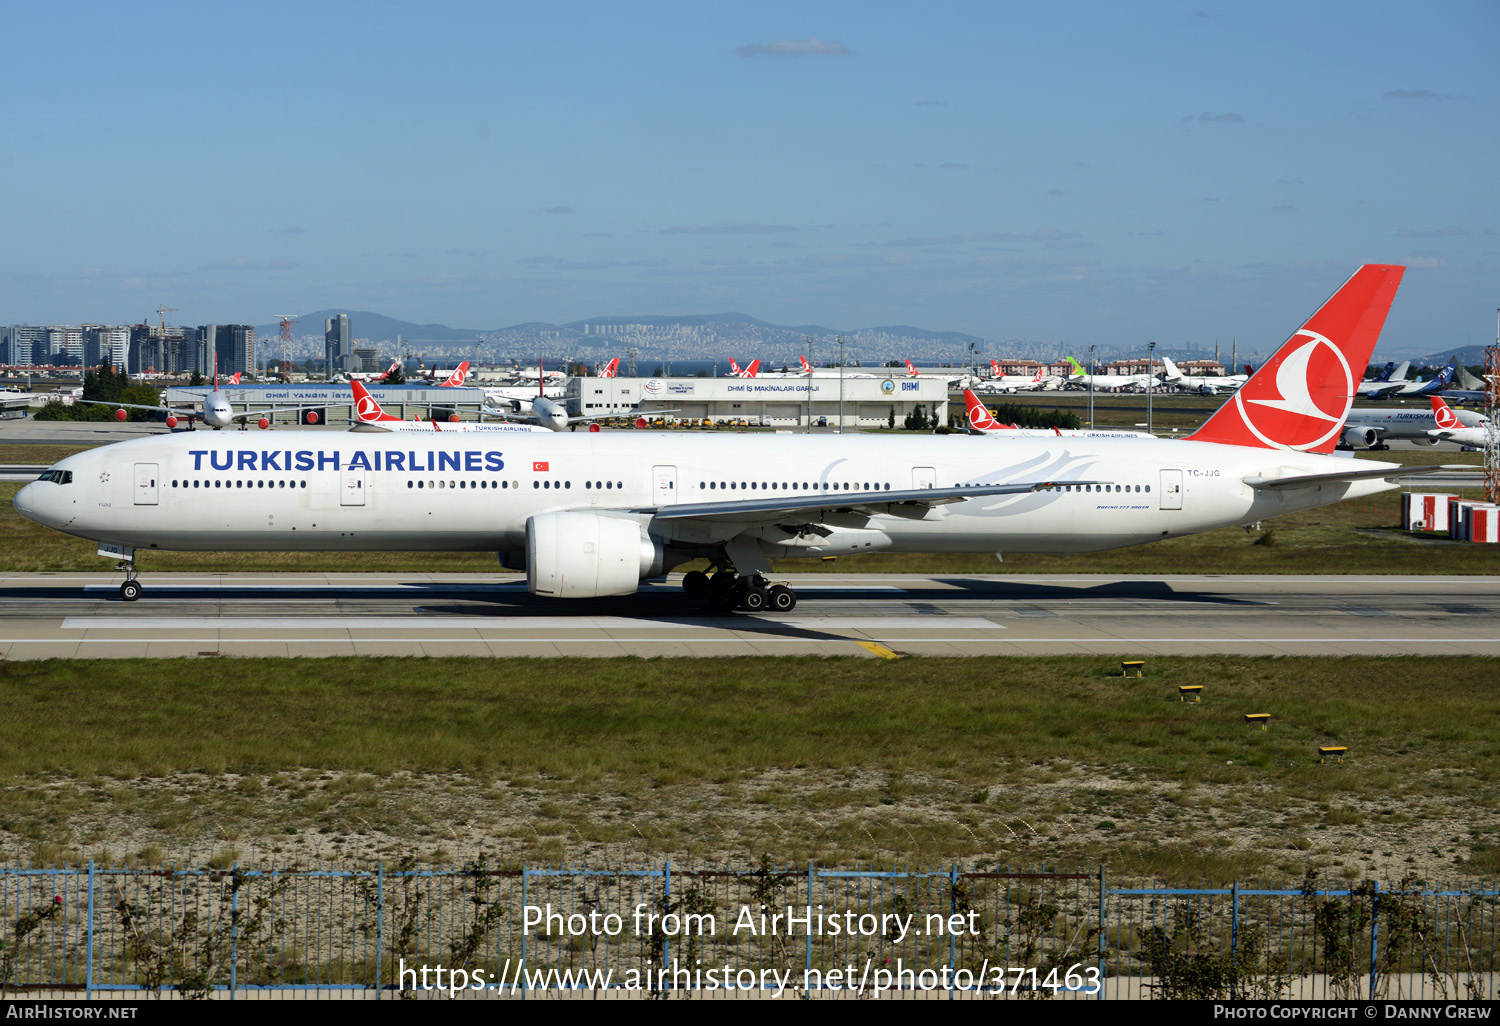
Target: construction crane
161,312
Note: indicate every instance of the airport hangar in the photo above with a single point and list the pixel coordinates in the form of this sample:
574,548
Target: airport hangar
770,402
334,402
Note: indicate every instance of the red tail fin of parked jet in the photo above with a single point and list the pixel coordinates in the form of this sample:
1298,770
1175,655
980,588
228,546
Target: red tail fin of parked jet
911,371
1300,396
1443,414
456,379
980,418
806,367
611,369
365,406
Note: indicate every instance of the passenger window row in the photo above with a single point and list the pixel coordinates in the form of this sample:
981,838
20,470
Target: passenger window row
217,483
784,486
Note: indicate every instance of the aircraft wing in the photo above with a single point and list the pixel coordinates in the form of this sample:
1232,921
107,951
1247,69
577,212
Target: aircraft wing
170,411
609,416
1387,472
257,414
912,504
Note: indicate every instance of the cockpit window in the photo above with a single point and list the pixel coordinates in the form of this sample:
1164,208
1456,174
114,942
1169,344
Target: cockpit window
58,476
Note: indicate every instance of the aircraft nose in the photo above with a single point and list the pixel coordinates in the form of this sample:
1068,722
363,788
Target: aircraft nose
25,502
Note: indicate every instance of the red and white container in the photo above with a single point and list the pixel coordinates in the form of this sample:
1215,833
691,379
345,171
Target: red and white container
1425,511
1484,523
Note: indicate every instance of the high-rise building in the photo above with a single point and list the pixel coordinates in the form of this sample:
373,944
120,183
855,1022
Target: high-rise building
338,346
234,346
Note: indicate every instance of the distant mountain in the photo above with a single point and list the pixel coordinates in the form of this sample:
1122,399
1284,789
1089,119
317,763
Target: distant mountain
371,326
1467,355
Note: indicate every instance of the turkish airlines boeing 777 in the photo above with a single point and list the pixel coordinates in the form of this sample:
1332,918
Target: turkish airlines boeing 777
596,514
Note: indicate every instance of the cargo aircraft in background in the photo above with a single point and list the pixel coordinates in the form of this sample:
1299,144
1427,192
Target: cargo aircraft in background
588,515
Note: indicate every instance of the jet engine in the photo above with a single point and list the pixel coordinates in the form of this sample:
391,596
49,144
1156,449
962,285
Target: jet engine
586,555
1358,437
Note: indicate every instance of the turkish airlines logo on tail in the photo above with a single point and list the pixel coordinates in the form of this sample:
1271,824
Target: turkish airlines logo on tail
1443,414
368,408
980,418
1301,397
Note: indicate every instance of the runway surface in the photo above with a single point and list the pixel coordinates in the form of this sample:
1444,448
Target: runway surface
80,615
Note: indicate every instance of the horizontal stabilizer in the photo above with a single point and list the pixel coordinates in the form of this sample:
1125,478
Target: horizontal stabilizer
1389,473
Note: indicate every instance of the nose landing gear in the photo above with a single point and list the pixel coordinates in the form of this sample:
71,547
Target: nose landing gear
131,589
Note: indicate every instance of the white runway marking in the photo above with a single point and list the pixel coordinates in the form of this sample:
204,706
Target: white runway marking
516,623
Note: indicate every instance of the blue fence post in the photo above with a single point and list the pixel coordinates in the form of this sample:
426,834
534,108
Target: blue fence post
88,968
525,901
1234,937
666,941
952,934
379,926
1374,935
234,928
807,975
1103,929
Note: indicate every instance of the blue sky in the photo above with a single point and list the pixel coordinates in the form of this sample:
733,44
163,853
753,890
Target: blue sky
1082,171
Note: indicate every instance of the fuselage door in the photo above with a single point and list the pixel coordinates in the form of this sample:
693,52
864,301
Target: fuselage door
145,484
665,490
1171,489
923,477
351,487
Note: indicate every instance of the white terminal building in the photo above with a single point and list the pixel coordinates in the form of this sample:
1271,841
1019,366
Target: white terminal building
770,402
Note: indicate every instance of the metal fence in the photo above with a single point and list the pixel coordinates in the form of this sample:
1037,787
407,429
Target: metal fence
808,932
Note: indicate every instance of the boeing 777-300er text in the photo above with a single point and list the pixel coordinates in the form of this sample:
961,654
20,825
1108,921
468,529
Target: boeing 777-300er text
596,514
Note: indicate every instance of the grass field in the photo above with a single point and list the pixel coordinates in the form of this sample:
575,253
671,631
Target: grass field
840,760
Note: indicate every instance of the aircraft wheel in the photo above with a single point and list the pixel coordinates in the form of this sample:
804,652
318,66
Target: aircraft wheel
755,600
783,599
695,584
130,591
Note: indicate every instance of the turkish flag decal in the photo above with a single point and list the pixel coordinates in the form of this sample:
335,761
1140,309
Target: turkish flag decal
539,465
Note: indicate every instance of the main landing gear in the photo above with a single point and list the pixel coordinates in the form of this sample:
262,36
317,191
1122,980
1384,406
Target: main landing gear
728,590
131,589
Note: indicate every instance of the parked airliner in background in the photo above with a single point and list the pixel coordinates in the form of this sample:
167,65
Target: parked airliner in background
1108,382
983,422
370,416
1208,384
596,514
216,412
735,371
1366,428
610,369
1001,382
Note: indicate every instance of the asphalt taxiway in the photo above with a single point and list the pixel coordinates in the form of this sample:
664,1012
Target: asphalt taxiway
81,616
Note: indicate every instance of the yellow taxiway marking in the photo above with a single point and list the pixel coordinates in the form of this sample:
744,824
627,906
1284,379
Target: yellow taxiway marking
879,649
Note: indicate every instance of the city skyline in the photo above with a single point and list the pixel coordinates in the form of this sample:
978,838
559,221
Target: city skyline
1098,174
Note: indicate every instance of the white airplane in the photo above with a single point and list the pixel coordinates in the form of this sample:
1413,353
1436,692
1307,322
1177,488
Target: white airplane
1208,384
1001,382
454,380
1452,426
982,421
553,415
382,376
1366,428
596,514
370,416
217,413
1108,382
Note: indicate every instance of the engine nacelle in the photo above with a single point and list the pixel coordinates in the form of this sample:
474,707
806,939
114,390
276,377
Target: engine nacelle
1358,437
586,555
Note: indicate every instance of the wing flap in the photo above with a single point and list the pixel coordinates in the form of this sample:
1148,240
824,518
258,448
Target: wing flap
1387,472
911,504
